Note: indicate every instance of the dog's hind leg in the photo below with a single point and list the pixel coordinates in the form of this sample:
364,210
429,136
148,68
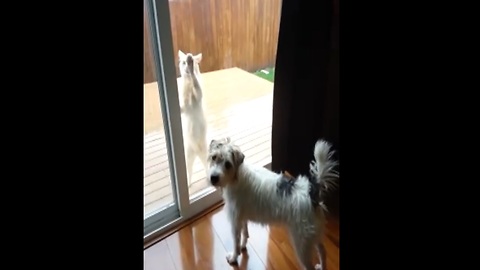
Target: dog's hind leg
245,236
322,254
236,230
303,247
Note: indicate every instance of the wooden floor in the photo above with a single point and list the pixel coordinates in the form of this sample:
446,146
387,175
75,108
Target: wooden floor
204,244
238,104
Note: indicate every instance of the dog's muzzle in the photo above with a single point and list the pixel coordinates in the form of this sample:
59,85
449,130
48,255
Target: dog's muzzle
214,179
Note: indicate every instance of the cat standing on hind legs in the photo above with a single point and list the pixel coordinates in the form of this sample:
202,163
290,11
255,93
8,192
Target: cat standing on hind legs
194,122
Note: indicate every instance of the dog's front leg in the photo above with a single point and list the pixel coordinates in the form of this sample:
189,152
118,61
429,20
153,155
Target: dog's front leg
236,230
245,236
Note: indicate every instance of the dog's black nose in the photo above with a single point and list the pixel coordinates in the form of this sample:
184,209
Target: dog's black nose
214,179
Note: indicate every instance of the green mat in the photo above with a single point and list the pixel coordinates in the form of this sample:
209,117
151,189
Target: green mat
266,73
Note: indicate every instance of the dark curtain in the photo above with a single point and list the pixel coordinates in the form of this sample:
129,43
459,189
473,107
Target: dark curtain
306,89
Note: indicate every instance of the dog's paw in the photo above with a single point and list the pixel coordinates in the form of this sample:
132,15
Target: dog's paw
232,258
318,267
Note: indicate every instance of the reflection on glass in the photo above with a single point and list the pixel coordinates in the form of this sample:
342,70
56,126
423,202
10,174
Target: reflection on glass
157,183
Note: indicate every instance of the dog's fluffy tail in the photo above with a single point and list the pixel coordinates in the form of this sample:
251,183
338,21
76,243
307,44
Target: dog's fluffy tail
322,168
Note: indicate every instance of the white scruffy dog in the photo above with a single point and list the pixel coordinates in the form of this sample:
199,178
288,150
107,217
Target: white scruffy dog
191,106
254,193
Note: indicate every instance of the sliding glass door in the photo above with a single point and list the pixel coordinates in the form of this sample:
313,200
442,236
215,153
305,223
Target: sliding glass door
236,60
166,194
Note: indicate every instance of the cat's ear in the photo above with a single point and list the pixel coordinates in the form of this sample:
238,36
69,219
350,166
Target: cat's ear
181,54
198,58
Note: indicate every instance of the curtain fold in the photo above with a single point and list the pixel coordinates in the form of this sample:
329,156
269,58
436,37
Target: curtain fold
306,89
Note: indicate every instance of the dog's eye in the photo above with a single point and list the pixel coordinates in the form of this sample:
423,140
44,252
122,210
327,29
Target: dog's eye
228,165
214,157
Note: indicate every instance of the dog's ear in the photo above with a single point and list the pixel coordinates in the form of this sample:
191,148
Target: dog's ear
198,58
213,144
238,156
181,54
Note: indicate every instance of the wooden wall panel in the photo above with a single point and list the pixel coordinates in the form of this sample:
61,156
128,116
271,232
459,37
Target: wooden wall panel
229,33
148,64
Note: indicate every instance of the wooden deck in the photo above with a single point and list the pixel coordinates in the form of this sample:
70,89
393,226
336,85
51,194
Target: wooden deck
238,104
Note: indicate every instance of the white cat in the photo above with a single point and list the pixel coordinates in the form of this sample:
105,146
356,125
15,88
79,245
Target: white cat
194,122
